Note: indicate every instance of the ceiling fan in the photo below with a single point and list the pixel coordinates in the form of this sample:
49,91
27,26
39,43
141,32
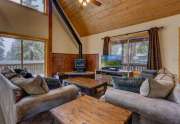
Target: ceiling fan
85,2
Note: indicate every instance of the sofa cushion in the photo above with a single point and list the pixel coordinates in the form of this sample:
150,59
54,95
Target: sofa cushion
32,105
33,86
175,94
156,88
160,110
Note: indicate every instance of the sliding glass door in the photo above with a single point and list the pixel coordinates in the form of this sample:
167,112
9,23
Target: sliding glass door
24,54
34,56
138,51
132,52
10,52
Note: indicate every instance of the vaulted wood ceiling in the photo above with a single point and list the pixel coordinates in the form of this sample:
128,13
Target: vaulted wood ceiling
114,14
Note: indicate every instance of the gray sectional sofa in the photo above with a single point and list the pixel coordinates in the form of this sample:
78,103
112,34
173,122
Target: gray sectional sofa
151,109
12,112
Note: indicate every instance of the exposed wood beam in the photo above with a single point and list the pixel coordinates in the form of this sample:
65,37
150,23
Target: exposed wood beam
49,43
68,24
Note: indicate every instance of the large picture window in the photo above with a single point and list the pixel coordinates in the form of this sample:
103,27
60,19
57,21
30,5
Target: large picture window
25,54
131,51
34,4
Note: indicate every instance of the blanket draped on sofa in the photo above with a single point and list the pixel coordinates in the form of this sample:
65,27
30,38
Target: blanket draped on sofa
7,105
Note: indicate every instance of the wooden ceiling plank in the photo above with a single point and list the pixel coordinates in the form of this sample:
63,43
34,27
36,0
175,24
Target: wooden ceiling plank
117,13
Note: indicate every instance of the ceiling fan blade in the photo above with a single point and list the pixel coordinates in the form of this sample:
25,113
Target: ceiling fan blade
96,2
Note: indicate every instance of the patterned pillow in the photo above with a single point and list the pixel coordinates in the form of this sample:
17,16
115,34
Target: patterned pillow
8,73
33,86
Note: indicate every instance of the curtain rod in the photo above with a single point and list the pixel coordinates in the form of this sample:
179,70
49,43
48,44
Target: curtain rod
134,32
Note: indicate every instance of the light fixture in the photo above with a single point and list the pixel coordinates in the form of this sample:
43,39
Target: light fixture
84,2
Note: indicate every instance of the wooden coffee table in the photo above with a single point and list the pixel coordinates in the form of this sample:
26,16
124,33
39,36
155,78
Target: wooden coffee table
87,85
88,110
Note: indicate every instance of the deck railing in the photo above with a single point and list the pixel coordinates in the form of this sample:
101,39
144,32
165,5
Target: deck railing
34,67
131,67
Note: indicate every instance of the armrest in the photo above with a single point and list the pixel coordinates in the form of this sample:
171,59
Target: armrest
32,105
164,111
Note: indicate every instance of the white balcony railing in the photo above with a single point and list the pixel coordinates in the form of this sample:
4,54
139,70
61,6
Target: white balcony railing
34,67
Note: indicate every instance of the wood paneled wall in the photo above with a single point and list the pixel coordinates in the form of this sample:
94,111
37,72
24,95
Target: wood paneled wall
65,62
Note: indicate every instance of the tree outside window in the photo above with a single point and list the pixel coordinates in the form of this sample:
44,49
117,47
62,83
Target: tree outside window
17,53
34,4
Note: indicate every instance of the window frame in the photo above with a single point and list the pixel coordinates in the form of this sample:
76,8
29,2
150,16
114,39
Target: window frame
35,39
45,6
128,41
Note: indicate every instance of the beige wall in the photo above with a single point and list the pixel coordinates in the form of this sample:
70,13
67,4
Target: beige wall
17,19
63,42
168,39
22,20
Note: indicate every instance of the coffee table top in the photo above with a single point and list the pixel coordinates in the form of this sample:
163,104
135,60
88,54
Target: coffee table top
85,82
79,73
88,110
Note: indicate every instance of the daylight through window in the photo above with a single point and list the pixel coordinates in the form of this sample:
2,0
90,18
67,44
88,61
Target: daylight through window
131,51
34,4
26,54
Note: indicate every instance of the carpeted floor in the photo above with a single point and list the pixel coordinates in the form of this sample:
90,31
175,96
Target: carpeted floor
43,118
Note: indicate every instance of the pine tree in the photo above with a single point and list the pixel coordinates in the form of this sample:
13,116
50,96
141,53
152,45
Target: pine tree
15,51
33,50
30,3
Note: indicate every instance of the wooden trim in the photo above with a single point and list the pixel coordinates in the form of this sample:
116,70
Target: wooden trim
22,53
49,43
123,38
133,33
45,57
46,6
21,36
25,37
179,57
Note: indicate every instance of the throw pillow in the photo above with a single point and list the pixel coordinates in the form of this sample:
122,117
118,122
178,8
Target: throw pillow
156,88
24,73
8,73
175,94
33,86
165,71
